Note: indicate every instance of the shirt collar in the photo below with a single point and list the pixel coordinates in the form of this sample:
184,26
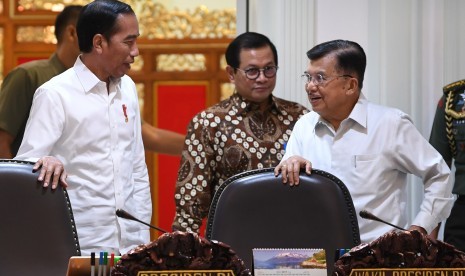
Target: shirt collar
244,105
88,79
358,113
360,110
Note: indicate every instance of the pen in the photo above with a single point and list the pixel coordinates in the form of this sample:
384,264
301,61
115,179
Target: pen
105,262
100,264
92,264
112,261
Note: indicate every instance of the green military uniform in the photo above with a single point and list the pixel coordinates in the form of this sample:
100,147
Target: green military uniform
448,137
17,92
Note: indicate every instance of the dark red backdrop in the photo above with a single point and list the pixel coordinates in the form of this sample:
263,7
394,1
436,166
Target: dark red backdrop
176,105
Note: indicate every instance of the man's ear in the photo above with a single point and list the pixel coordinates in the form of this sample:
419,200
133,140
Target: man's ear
230,72
98,42
71,32
352,86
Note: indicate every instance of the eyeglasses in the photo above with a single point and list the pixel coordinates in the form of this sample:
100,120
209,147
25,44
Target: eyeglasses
254,73
319,79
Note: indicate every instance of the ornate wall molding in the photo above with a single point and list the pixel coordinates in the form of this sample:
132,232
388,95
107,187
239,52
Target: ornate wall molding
155,20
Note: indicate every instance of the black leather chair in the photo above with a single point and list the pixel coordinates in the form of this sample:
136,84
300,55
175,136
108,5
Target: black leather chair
37,230
255,209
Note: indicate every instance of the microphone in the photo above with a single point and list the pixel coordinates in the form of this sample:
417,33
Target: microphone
367,215
123,214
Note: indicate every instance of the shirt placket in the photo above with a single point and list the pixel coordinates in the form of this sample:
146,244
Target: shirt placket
115,113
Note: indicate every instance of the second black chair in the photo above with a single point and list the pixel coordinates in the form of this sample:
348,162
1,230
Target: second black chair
256,210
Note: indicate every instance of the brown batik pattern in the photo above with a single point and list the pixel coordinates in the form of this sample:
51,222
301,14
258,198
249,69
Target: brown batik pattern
228,138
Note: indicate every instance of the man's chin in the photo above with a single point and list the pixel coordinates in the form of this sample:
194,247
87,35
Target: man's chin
118,75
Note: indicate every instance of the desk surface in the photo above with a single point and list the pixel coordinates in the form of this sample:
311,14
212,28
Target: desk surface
80,266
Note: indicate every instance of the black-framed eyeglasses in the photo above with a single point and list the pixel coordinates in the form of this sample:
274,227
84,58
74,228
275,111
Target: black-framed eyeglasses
254,73
320,79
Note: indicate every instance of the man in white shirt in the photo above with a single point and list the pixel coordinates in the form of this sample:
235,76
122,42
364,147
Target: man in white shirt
371,148
87,121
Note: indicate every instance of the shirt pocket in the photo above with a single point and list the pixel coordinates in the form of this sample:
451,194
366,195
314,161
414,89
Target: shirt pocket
367,171
365,159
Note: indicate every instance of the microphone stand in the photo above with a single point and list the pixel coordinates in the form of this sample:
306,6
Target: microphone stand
367,215
123,214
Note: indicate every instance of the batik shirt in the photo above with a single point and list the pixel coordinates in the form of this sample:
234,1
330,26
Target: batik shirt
228,138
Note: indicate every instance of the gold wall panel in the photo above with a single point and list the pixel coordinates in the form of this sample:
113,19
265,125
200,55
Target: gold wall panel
138,64
223,62
181,62
36,34
227,89
140,87
158,22
50,5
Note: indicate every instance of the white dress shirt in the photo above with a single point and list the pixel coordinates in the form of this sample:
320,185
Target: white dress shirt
372,152
97,136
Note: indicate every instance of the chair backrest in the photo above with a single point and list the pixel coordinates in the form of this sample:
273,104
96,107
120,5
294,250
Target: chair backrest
255,209
37,231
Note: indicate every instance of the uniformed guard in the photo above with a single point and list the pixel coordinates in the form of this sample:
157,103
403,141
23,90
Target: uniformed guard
448,137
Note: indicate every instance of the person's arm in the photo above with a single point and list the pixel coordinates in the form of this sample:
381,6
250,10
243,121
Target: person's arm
196,178
6,139
292,161
438,139
43,129
431,168
162,141
16,95
434,234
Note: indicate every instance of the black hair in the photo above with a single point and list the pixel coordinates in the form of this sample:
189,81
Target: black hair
68,16
350,57
99,17
248,40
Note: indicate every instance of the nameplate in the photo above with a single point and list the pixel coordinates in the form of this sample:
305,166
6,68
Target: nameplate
187,273
408,272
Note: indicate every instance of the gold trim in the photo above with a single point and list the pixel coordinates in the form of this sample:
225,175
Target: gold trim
453,85
450,113
155,20
183,46
13,15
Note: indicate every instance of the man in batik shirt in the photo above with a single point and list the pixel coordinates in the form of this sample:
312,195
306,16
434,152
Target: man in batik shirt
247,131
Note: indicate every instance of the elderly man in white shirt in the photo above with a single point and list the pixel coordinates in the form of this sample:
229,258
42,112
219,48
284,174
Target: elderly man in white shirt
371,148
87,120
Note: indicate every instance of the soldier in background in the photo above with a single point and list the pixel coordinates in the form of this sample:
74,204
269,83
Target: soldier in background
20,84
448,137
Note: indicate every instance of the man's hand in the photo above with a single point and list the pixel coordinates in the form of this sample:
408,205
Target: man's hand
433,235
418,228
51,166
290,169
